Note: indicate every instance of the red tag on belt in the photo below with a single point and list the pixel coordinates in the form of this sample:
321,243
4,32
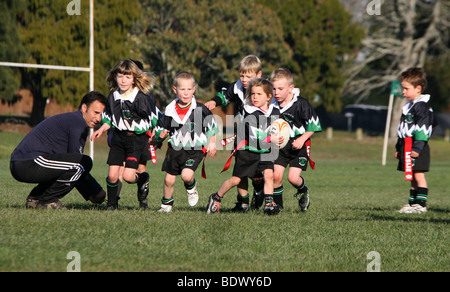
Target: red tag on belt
153,153
308,150
205,151
241,144
408,159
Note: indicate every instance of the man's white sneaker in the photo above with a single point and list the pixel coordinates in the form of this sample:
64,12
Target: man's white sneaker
165,209
192,196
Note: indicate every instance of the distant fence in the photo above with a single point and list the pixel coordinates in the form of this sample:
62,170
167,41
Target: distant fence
370,118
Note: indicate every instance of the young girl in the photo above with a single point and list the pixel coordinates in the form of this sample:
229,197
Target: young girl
254,148
132,112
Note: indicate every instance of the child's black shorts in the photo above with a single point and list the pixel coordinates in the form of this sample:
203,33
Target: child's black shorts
420,164
177,160
250,164
293,157
127,147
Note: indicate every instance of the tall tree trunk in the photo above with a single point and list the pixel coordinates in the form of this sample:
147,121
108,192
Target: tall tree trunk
33,82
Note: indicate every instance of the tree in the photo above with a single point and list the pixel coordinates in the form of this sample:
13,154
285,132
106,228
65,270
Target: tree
324,41
402,36
10,47
207,38
53,37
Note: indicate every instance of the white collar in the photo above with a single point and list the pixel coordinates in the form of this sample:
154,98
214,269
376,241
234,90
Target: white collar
239,90
408,106
131,97
251,109
296,92
172,112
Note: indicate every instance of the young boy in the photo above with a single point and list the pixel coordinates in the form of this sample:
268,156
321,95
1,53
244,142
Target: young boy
253,151
414,131
190,124
250,67
304,122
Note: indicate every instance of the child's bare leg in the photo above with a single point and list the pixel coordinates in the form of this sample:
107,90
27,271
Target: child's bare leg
227,185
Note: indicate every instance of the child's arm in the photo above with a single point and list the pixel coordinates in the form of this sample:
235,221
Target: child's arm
211,130
300,141
212,149
222,98
97,134
423,128
162,128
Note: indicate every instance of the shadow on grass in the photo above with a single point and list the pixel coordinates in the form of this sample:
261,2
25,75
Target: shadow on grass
376,213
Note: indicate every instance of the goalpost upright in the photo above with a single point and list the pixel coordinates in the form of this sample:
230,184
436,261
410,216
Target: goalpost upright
68,68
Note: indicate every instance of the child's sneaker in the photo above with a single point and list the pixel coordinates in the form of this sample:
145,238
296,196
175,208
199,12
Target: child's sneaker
418,209
165,208
406,209
142,193
241,207
213,204
271,208
303,200
412,209
192,196
257,200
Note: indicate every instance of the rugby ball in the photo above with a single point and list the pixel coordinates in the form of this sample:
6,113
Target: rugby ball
281,128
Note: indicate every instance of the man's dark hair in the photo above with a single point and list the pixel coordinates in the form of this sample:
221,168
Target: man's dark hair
92,96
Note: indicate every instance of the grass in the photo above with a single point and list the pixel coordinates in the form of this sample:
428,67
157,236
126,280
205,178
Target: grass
353,212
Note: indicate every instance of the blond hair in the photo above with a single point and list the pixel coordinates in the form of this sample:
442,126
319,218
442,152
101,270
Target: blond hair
282,73
142,81
250,63
183,75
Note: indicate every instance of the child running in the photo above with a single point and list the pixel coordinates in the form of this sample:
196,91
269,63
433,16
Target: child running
304,122
414,131
250,67
253,142
132,112
189,124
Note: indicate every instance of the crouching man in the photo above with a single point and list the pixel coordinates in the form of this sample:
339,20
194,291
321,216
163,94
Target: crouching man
51,155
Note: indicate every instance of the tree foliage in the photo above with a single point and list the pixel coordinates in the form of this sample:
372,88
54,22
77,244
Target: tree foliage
52,37
314,38
404,35
10,46
324,40
207,38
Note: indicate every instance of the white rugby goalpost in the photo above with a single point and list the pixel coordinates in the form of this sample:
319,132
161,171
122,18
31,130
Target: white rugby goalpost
68,68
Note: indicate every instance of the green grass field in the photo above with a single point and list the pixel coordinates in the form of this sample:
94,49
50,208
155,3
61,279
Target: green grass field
353,212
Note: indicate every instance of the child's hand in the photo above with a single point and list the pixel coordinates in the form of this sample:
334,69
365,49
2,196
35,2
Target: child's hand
298,143
414,154
97,134
212,149
396,155
210,105
105,127
275,139
163,134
